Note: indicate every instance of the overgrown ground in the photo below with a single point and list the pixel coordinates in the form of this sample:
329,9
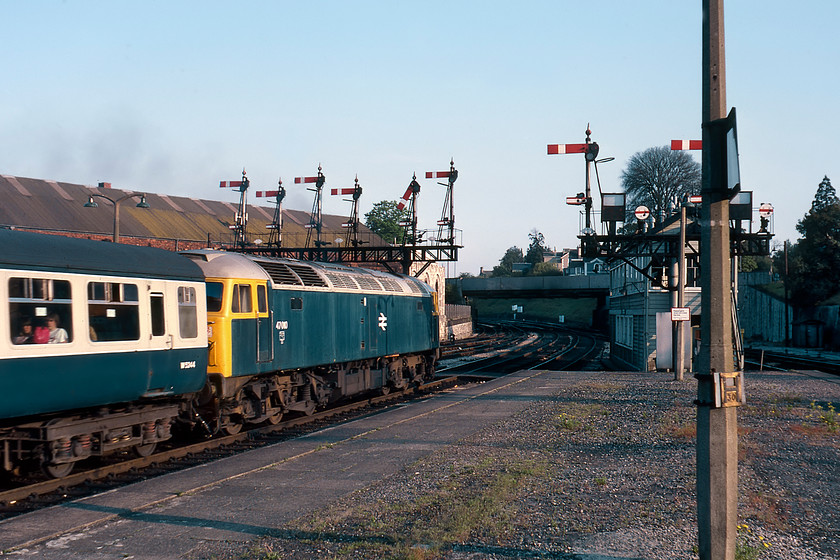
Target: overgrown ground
606,466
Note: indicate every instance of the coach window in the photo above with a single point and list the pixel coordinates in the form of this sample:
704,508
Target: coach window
241,299
40,310
187,312
158,323
113,311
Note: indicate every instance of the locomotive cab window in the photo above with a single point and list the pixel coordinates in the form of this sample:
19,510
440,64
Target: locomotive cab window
187,312
241,299
262,299
113,311
40,311
214,296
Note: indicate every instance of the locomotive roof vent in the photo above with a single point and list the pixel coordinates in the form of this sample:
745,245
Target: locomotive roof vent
390,285
280,273
344,281
308,275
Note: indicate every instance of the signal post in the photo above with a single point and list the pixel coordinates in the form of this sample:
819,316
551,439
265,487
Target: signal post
719,388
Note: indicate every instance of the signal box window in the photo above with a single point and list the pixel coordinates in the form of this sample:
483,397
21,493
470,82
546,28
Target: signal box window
40,311
113,311
241,299
187,312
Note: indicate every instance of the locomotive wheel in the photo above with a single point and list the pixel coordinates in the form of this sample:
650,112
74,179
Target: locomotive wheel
57,471
144,450
274,418
309,408
232,428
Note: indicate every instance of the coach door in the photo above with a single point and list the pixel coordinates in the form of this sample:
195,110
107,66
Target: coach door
264,326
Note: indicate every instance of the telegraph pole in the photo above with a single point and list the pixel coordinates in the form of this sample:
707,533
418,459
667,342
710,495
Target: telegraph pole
717,419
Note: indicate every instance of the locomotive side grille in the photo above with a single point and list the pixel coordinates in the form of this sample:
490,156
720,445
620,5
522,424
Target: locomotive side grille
342,281
308,275
280,273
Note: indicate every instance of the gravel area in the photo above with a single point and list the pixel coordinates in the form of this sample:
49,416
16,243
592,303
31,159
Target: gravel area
602,471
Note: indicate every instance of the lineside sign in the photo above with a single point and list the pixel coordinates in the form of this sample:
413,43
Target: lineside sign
680,314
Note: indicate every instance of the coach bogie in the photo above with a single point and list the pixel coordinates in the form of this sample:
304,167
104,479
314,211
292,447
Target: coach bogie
57,445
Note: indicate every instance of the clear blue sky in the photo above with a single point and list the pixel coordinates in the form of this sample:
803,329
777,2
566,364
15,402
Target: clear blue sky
172,97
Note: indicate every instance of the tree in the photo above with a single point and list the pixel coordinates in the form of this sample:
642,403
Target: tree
537,247
659,178
511,256
545,269
384,219
825,197
814,262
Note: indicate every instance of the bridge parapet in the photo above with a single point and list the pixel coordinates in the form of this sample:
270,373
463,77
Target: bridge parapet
590,285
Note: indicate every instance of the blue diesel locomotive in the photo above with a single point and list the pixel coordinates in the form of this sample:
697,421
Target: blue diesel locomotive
291,336
104,347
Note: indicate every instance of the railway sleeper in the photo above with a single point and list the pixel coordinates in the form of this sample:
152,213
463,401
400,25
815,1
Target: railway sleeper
57,444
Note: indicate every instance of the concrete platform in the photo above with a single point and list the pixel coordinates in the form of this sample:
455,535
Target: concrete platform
256,493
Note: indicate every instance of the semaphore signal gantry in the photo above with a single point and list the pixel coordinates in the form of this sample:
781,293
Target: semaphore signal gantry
643,240
416,246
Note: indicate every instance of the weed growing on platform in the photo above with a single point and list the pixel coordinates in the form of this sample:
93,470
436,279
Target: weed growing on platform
827,415
679,423
748,546
566,422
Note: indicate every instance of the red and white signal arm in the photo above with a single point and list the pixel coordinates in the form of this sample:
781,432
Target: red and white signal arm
765,210
695,199
642,213
680,314
575,200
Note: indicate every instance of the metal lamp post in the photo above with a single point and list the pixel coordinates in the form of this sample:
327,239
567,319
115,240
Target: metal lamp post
116,202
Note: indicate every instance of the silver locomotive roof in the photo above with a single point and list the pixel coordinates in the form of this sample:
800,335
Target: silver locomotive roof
299,274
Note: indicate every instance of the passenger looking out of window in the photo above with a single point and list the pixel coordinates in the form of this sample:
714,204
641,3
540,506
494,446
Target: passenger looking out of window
57,334
26,333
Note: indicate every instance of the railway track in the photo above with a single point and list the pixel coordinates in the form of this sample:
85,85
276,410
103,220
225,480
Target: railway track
534,346
489,337
782,361
27,494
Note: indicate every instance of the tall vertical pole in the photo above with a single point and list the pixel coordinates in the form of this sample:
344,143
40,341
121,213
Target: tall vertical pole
679,346
717,428
787,299
588,188
117,220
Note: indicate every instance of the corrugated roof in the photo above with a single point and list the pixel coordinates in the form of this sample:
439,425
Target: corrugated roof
58,206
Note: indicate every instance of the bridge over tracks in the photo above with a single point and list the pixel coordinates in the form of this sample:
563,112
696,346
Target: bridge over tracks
590,285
